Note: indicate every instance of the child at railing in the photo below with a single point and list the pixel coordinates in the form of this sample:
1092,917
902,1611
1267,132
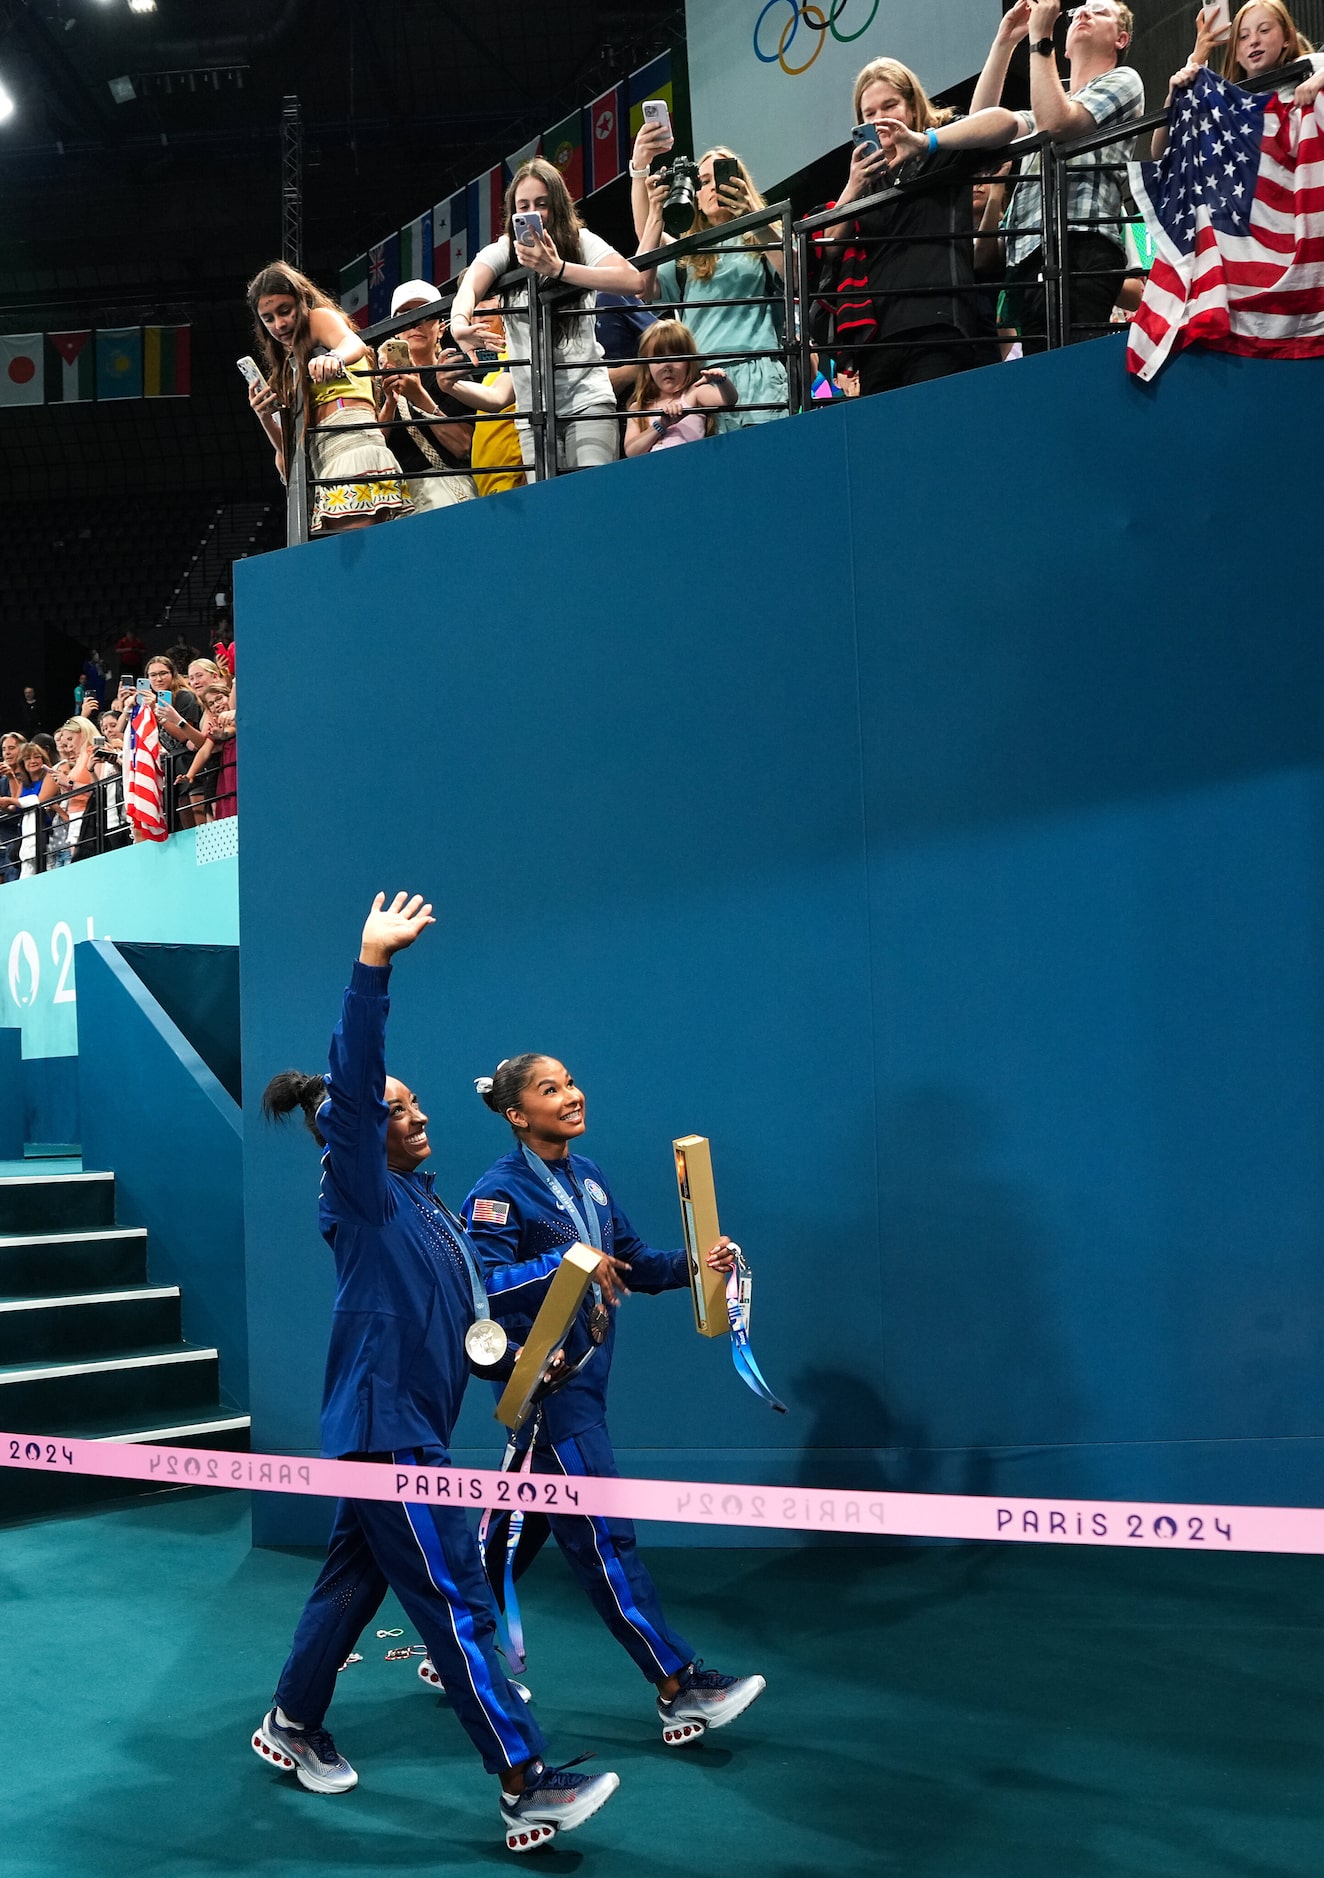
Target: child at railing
698,283
677,400
1262,36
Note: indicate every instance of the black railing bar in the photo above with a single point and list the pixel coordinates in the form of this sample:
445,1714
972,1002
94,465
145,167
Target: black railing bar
1159,120
698,244
588,312
407,371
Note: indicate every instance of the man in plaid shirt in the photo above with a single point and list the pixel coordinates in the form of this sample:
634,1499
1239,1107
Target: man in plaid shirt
1101,92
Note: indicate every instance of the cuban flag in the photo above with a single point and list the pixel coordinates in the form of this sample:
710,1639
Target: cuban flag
1236,208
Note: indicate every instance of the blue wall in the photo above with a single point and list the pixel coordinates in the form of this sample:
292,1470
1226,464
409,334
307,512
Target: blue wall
920,800
159,1119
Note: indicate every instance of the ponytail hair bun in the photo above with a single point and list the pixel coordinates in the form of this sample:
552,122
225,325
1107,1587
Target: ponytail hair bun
508,1081
293,1089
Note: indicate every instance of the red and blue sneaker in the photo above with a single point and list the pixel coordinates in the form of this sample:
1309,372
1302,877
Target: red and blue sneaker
706,1699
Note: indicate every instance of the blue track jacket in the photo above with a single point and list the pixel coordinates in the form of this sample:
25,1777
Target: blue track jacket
396,1366
520,1255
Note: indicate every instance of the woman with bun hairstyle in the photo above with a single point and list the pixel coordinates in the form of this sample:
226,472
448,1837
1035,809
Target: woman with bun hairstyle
567,251
408,1293
315,358
523,1213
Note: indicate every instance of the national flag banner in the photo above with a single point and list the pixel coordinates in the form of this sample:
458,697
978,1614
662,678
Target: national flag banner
119,362
486,208
167,357
383,277
144,787
450,237
22,368
354,291
651,81
416,248
1236,207
71,371
525,154
563,145
607,138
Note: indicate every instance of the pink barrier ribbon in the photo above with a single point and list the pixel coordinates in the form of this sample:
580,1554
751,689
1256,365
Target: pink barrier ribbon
1171,1527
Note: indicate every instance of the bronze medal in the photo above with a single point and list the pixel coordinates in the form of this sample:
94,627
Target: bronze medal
599,1323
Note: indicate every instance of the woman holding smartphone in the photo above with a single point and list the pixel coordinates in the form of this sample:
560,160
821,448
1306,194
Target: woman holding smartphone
743,340
315,358
901,277
1261,37
523,1213
544,233
427,374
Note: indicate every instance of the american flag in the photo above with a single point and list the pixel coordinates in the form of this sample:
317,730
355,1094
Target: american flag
1236,206
144,801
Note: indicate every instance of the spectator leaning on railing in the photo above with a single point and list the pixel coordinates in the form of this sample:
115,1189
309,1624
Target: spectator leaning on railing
37,785
11,824
900,279
698,283
561,249
495,452
427,373
1262,37
677,401
1102,92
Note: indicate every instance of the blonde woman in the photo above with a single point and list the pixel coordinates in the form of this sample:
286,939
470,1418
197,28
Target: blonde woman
730,336
900,278
676,400
1263,36
311,349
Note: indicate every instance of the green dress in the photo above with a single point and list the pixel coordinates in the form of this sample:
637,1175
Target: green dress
727,331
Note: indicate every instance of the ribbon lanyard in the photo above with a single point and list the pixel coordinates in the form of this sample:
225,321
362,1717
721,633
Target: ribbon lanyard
587,1223
468,1257
739,1302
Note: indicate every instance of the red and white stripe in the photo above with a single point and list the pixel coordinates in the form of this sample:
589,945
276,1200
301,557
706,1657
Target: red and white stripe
1260,294
144,788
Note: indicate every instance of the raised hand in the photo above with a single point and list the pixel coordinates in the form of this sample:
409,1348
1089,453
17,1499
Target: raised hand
389,929
1015,24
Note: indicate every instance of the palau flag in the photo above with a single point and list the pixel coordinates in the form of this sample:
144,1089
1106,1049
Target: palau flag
416,248
383,277
651,81
119,362
71,368
166,361
563,145
354,291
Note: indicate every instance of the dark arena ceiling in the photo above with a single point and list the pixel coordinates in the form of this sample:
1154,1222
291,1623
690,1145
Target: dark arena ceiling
179,185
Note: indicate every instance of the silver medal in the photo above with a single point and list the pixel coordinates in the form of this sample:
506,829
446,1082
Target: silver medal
485,1342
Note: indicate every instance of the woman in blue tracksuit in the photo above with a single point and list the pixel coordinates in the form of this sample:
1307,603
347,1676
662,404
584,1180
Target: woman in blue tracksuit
523,1213
407,1290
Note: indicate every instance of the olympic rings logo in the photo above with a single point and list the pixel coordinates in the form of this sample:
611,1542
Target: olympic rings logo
816,23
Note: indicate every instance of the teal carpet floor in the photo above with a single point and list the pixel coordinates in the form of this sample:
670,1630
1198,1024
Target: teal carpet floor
936,1712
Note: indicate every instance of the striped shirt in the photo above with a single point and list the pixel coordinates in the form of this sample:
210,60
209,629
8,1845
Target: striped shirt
1096,181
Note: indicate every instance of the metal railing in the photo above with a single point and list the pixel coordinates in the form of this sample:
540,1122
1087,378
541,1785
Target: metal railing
801,299
88,818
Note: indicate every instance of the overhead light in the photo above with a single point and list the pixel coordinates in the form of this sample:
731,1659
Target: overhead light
6,105
121,90
142,6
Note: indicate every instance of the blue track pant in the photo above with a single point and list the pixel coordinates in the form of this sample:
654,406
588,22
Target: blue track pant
429,1557
603,1556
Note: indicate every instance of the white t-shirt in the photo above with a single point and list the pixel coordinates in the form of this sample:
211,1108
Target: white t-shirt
576,341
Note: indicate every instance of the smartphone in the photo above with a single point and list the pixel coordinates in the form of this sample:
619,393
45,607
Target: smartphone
527,227
725,170
126,681
1218,16
866,134
656,112
142,689
395,352
486,355
165,697
251,370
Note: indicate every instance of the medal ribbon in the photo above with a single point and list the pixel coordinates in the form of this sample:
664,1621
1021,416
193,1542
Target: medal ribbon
510,1625
739,1300
587,1223
463,1243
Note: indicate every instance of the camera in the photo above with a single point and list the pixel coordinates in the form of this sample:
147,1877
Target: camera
682,174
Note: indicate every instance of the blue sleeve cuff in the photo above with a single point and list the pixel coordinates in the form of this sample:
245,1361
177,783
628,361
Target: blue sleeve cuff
370,979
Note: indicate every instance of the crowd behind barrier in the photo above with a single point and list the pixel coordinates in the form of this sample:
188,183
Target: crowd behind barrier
156,755
955,242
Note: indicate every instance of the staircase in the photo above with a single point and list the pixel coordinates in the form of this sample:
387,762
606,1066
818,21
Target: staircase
236,530
88,1347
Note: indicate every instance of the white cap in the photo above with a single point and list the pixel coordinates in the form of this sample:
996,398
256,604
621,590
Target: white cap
421,290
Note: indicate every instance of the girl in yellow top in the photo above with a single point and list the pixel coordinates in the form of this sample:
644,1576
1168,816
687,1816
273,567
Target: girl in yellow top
309,346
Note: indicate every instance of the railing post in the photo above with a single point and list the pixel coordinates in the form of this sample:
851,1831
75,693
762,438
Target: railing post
1050,246
537,410
296,472
806,337
795,382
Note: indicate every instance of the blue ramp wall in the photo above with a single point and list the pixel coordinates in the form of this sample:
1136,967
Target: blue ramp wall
923,799
157,1117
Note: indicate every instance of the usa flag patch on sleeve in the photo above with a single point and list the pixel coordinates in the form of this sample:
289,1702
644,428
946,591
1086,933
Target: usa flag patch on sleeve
491,1212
